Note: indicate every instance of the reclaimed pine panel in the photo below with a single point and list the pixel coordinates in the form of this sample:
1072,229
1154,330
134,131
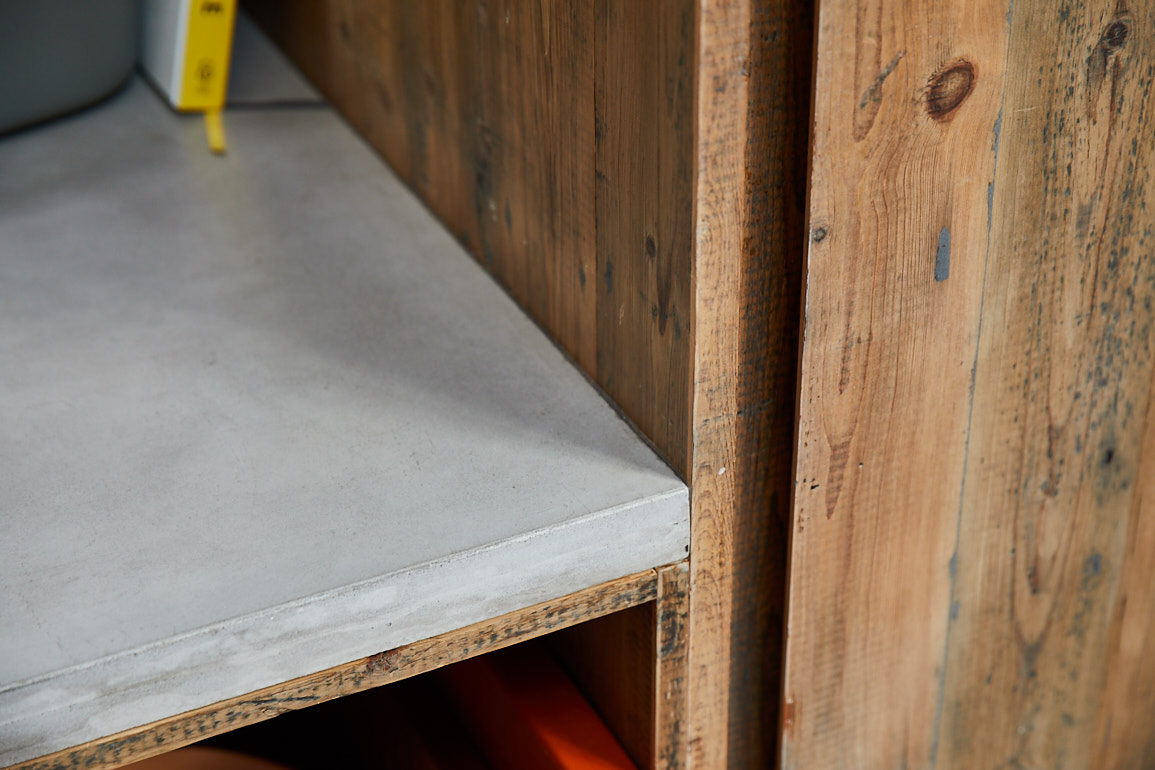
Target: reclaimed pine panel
643,112
1053,498
770,292
906,110
975,447
1123,735
671,657
753,85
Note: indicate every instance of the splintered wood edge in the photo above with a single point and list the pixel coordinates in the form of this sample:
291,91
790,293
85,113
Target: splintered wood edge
390,666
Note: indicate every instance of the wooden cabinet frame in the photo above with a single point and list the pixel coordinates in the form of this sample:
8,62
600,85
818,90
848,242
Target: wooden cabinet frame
969,194
634,174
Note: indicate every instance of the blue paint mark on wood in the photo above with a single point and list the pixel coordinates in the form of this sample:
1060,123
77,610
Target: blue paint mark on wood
942,256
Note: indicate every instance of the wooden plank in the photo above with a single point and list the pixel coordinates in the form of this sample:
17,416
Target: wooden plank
390,666
770,292
907,98
719,213
671,655
753,80
1057,469
976,387
1123,735
643,108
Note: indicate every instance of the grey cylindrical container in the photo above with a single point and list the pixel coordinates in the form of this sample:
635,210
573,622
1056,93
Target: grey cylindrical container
59,55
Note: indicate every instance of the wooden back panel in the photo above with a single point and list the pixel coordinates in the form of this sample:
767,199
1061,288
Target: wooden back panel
975,448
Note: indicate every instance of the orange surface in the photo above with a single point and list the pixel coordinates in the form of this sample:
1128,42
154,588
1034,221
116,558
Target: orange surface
204,758
526,714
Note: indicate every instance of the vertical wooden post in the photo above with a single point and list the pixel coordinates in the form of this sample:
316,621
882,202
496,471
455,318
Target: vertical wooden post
671,663
753,90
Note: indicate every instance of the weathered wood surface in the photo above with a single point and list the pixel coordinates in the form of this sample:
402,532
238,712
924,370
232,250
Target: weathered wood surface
670,654
1053,504
667,266
752,113
357,676
769,297
643,114
973,483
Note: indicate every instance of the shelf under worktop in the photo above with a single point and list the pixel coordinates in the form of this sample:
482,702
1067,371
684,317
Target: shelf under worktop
260,415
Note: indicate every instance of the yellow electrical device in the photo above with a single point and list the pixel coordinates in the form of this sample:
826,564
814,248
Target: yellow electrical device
185,50
208,44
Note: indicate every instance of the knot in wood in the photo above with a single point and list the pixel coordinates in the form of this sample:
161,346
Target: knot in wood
1115,36
949,88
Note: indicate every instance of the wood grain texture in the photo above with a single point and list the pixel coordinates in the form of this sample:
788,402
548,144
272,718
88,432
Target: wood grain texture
671,656
752,112
1124,728
383,668
644,127
1056,469
972,484
770,293
886,369
719,211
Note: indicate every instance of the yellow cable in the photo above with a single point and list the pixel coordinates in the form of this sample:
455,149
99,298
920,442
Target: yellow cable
215,131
